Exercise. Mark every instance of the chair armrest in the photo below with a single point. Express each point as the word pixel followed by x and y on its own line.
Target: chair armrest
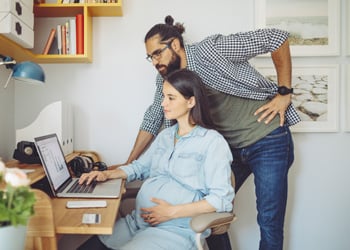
pixel 202 222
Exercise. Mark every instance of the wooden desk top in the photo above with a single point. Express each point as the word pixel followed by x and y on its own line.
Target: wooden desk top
pixel 34 176
pixel 69 221
pixel 39 172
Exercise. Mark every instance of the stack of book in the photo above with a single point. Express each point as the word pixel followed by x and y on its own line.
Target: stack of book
pixel 67 38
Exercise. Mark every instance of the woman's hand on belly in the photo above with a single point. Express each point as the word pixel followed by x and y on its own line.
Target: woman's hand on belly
pixel 162 212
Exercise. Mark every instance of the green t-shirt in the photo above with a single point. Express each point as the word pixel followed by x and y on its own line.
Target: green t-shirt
pixel 234 118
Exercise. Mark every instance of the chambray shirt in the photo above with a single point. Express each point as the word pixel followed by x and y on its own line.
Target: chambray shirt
pixel 197 167
pixel 222 63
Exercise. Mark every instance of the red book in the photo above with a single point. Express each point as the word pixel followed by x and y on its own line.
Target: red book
pixel 80 33
pixel 49 41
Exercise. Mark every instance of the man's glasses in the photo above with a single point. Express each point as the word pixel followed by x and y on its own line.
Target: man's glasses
pixel 158 53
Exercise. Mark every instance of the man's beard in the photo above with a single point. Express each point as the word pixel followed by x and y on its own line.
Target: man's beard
pixel 172 66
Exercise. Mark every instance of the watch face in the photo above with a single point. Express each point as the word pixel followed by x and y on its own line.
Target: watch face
pixel 284 90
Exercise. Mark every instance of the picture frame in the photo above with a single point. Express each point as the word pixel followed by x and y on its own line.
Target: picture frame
pixel 348 27
pixel 347 98
pixel 316 95
pixel 313 26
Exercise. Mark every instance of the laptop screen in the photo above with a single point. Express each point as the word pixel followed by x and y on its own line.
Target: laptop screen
pixel 53 159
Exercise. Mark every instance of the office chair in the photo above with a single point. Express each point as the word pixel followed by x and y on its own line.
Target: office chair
pixel 219 223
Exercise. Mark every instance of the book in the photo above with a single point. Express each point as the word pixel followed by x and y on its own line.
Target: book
pixel 49 42
pixel 79 19
pixel 59 39
pixel 72 36
pixel 67 37
pixel 63 37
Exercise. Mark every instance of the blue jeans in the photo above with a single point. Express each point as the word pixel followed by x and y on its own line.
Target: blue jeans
pixel 269 159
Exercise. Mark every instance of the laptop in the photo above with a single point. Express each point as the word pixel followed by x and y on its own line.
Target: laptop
pixel 59 177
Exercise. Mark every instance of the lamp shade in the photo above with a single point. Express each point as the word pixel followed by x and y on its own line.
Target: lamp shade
pixel 28 72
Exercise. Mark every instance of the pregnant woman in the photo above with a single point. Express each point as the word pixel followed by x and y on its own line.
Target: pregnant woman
pixel 187 171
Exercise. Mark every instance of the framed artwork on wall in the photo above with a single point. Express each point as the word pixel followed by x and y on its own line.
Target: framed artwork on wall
pixel 348 27
pixel 347 99
pixel 315 96
pixel 314 26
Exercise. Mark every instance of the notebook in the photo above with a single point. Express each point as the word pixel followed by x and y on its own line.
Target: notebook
pixel 59 177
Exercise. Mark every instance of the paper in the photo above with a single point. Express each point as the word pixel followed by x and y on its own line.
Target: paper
pixel 91 218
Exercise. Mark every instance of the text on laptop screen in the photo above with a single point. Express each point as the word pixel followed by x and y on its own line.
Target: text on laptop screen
pixel 54 161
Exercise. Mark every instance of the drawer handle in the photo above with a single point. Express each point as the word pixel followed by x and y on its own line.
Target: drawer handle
pixel 18 8
pixel 18 28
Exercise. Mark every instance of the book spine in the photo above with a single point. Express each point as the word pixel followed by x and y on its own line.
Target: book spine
pixel 59 39
pixel 67 38
pixel 80 33
pixel 49 41
pixel 72 33
pixel 63 37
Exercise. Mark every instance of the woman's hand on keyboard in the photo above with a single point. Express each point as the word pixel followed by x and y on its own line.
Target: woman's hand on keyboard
pixel 87 178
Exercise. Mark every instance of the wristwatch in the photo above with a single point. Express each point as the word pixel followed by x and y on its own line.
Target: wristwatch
pixel 283 90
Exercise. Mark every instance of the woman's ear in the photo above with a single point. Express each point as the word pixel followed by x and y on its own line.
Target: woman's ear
pixel 191 102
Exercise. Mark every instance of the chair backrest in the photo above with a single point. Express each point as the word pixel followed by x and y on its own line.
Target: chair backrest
pixel 41 233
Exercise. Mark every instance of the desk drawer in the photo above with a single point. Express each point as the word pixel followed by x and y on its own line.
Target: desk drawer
pixel 16 30
pixel 18 9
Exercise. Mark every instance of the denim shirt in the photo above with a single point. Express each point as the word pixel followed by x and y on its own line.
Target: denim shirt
pixel 200 162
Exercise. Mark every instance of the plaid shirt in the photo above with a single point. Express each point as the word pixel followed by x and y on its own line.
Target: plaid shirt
pixel 222 63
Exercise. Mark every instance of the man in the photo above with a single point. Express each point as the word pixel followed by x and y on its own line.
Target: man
pixel 252 113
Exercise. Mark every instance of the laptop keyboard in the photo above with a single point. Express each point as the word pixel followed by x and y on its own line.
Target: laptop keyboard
pixel 77 188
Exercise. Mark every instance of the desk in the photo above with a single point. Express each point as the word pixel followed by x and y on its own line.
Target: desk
pixel 34 176
pixel 68 221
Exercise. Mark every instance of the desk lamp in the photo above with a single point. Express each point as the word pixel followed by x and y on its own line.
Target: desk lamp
pixel 27 72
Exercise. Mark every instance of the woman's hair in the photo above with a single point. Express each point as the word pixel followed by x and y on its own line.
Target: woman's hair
pixel 189 84
pixel 167 30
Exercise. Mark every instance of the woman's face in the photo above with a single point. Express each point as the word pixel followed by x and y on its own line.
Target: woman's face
pixel 175 106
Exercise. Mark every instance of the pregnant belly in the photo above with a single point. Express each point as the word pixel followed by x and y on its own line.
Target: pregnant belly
pixel 164 188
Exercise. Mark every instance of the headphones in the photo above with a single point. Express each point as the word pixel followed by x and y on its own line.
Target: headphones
pixel 85 164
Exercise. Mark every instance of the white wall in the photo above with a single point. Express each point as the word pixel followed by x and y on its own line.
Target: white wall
pixel 7 124
pixel 110 95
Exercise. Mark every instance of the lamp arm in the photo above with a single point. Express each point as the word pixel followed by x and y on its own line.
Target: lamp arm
pixel 8 80
pixel 13 62
pixel 9 62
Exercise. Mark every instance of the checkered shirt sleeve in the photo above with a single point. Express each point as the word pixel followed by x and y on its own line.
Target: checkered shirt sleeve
pixel 153 118
pixel 223 64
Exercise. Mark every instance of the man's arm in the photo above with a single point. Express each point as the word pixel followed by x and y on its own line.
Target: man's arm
pixel 152 122
pixel 283 65
pixel 279 104
pixel 143 139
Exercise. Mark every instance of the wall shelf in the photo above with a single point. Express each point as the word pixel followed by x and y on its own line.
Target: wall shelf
pixel 49 10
